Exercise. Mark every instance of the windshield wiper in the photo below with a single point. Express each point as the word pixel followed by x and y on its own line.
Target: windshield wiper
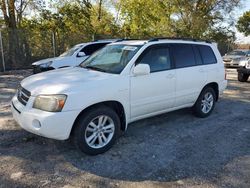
pixel 94 68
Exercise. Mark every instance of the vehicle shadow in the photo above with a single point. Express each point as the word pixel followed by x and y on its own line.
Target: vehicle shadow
pixel 172 146
pixel 165 148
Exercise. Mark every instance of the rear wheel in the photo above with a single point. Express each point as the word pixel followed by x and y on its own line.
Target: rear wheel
pixel 205 103
pixel 242 77
pixel 96 130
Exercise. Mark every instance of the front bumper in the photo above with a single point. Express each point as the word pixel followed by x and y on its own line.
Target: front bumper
pixel 243 70
pixel 38 69
pixel 231 64
pixel 55 125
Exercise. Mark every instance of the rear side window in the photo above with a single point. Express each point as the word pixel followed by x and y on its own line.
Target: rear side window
pixel 91 48
pixel 183 55
pixel 157 58
pixel 207 54
pixel 197 55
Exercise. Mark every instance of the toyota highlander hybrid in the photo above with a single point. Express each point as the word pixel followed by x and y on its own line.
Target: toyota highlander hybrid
pixel 123 82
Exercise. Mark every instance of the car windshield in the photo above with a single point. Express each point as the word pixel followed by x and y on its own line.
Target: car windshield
pixel 112 58
pixel 237 53
pixel 71 51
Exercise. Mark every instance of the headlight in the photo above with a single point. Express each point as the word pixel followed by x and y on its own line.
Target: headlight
pixel 46 65
pixel 243 63
pixel 50 103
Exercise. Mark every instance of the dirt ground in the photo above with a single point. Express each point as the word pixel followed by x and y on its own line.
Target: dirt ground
pixel 171 150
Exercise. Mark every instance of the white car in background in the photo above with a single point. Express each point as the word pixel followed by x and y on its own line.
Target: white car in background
pixel 72 57
pixel 233 59
pixel 123 82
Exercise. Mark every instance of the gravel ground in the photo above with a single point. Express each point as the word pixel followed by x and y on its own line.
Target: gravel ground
pixel 171 150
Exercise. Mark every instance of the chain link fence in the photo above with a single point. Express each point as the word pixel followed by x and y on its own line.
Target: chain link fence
pixel 20 48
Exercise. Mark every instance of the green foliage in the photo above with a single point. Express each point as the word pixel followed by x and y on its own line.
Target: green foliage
pixel 243 24
pixel 71 22
pixel 224 38
pixel 143 18
pixel 146 18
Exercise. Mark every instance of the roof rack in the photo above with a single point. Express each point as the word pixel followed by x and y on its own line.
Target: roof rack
pixel 178 38
pixel 126 39
pixel 100 40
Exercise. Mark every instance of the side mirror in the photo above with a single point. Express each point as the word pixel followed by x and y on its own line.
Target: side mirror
pixel 141 69
pixel 81 54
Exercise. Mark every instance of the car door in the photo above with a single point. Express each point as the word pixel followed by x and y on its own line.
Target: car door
pixel 154 92
pixel 190 73
pixel 90 49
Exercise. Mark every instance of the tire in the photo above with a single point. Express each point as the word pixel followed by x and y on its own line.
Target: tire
pixel 199 109
pixel 93 126
pixel 242 77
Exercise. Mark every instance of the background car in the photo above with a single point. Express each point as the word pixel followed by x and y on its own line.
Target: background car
pixel 232 59
pixel 72 57
pixel 244 70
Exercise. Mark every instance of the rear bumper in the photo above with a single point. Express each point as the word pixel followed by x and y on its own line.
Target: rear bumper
pixel 243 70
pixel 222 86
pixel 55 125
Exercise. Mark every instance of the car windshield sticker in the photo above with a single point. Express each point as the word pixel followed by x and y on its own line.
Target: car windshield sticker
pixel 131 48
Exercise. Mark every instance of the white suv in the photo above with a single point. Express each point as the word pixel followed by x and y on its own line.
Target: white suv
pixel 72 57
pixel 123 82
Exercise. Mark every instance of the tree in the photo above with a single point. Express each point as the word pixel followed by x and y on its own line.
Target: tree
pixel 145 18
pixel 70 24
pixel 243 24
pixel 194 18
pixel 12 11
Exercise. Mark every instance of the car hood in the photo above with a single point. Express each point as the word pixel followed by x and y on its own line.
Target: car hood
pixel 62 81
pixel 43 61
pixel 50 59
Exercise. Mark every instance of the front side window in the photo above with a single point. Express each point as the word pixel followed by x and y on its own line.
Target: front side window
pixel 91 48
pixel 183 55
pixel 157 58
pixel 112 58
pixel 207 54
pixel 71 51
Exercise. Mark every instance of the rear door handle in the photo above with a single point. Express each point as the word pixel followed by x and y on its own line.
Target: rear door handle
pixel 201 70
pixel 170 76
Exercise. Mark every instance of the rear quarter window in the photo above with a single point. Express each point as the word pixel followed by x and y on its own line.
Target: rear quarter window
pixel 207 54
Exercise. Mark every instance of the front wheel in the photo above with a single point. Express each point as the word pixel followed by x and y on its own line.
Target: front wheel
pixel 96 130
pixel 242 77
pixel 205 103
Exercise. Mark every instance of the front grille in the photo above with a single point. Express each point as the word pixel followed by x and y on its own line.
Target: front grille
pixel 23 95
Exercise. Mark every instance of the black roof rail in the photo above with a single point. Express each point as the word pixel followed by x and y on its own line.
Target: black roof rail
pixel 127 39
pixel 100 40
pixel 178 38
